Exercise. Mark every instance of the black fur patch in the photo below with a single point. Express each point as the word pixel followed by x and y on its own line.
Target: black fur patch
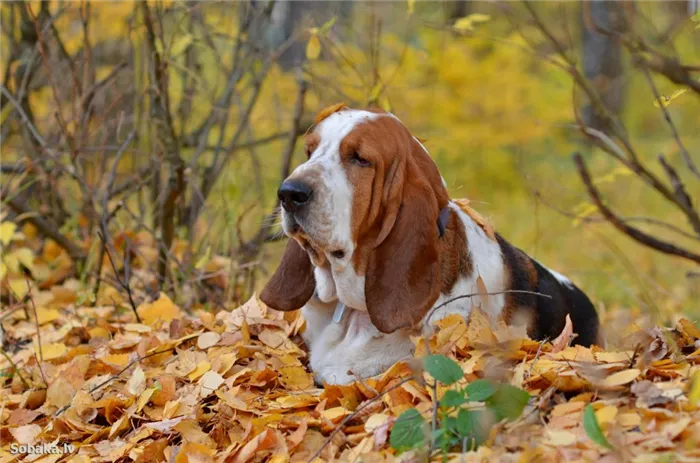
pixel 565 299
pixel 547 314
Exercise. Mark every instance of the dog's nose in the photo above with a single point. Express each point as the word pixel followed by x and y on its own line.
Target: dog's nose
pixel 293 194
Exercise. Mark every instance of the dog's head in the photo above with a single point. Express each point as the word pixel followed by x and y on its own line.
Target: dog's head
pixel 361 213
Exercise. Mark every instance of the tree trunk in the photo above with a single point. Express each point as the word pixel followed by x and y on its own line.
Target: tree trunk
pixel 457 9
pixel 602 60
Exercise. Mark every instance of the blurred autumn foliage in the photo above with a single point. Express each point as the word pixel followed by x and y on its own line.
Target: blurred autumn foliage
pixel 143 142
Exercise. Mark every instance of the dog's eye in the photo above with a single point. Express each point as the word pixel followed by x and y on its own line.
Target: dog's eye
pixel 362 162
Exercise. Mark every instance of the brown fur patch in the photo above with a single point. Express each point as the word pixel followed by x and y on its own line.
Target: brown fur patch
pixel 521 275
pixel 454 254
pixel 327 111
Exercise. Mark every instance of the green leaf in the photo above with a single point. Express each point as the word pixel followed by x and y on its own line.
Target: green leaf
pixel 507 402
pixel 452 399
pixel 480 390
pixel 473 425
pixel 408 431
pixel 441 368
pixel 592 428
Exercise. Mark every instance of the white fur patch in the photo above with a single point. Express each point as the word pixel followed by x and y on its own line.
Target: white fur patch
pixel 325 286
pixel 343 352
pixel 487 261
pixel 560 278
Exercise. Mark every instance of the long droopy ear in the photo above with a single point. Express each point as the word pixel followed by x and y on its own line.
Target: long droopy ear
pixel 402 280
pixel 293 284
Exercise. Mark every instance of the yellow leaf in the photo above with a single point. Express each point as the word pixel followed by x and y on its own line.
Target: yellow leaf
pixel 100 332
pixel 606 414
pixel 12 261
pixel 613 357
pixel 384 103
pixel 467 23
pixel 18 286
pixel 137 382
pixel 202 367
pixel 120 360
pixel 411 6
pixel 202 262
pixel 46 315
pixel 192 432
pixel 296 378
pixel 52 351
pixel 666 100
pixel 313 48
pixel 629 420
pixel 193 451
pixel 26 257
pixel 327 25
pixel 620 378
pixel 561 438
pixel 162 309
pixel 694 395
pixel 144 398
pixel 180 45
pixel 335 414
pixel 297 401
pixel 376 90
pixel 7 231
pixel 3 270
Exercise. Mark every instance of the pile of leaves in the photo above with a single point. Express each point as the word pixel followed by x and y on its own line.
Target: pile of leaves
pixel 99 381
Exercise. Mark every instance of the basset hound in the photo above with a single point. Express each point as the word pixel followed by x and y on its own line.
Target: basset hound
pixel 377 248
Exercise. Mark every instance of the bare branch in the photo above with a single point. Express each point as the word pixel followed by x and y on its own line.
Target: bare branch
pixel 46 229
pixel 628 230
pixel 681 195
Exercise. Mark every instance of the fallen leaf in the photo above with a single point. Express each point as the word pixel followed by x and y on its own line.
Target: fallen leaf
pixel 562 341
pixel 137 382
pixel 561 438
pixel 161 310
pixel 208 339
pixel 620 378
pixel 26 434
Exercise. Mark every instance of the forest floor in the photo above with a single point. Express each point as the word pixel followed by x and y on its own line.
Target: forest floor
pixel 234 385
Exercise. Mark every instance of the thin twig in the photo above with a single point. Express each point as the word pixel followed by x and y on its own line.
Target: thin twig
pixel 36 317
pixel 463 296
pixel 657 97
pixel 354 414
pixel 112 378
pixel 27 121
pixel 124 283
pixel 14 365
